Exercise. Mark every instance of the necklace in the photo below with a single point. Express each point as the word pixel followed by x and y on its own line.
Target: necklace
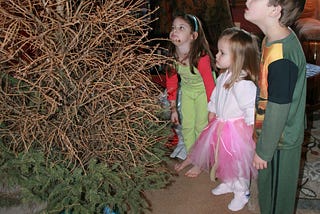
pixel 183 60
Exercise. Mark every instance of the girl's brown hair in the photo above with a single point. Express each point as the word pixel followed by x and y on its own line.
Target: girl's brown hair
pixel 199 46
pixel 245 55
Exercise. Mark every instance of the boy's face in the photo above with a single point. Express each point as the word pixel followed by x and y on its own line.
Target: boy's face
pixel 257 11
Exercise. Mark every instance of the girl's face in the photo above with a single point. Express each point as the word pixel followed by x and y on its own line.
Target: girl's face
pixel 224 56
pixel 181 32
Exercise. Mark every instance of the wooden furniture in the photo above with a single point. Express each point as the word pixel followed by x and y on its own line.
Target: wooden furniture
pixel 307 28
pixel 312 50
pixel 313 93
pixel 308 24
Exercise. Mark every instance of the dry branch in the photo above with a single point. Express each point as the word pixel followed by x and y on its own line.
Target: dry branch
pixel 75 81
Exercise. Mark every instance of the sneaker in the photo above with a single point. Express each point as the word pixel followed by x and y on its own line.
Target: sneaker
pixel 239 201
pixel 222 188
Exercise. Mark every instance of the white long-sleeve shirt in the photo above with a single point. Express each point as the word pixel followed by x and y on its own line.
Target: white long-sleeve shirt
pixel 236 102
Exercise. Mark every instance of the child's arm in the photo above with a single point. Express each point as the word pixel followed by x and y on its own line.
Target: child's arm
pixel 204 67
pixel 212 106
pixel 274 122
pixel 211 116
pixel 245 94
pixel 275 119
pixel 172 86
pixel 174 112
pixel 281 87
pixel 258 163
pixel 172 90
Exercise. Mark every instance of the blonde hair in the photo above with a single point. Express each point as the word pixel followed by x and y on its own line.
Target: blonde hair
pixel 245 55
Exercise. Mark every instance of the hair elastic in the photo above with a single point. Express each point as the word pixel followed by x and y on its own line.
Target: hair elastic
pixel 196 28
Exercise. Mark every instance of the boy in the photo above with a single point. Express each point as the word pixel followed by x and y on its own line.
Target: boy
pixel 281 104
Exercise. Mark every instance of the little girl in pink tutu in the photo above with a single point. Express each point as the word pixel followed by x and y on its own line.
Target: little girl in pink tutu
pixel 226 146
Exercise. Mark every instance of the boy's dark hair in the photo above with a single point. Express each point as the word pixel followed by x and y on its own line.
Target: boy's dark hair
pixel 291 10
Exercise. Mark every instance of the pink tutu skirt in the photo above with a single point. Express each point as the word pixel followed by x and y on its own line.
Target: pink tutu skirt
pixel 227 148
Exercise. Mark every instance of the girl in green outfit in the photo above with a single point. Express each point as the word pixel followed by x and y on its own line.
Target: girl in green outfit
pixel 193 65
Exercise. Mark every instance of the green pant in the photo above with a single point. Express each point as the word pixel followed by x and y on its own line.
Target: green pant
pixel 277 185
pixel 194 111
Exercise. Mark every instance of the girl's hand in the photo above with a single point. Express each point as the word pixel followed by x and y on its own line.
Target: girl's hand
pixel 211 116
pixel 174 112
pixel 174 117
pixel 258 163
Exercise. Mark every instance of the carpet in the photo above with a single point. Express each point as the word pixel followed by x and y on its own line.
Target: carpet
pixel 309 189
pixel 192 195
pixel 189 196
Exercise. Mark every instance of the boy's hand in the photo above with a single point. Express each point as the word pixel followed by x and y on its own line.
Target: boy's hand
pixel 258 163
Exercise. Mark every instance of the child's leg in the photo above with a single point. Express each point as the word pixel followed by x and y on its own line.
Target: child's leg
pixel 193 172
pixel 194 111
pixel 253 204
pixel 180 166
pixel 241 194
pixel 222 188
pixel 278 183
pixel 180 151
pixel 187 121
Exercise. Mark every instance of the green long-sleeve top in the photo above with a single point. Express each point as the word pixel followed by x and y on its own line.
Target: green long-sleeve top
pixel 282 95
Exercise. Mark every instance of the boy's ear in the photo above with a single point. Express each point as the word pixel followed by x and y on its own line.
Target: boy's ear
pixel 276 11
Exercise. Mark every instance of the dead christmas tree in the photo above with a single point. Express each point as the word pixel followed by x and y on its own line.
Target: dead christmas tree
pixel 78 110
